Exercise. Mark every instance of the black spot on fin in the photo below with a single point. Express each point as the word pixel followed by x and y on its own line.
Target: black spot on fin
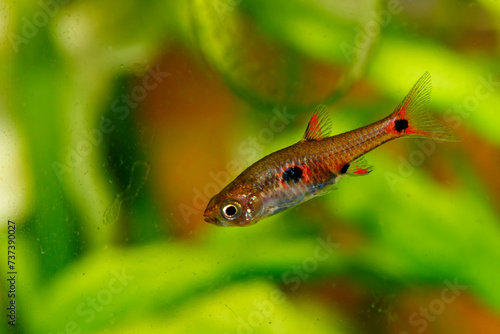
pixel 344 168
pixel 400 125
pixel 413 109
pixel 357 167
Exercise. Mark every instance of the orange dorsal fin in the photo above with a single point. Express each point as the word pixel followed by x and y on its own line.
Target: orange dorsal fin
pixel 319 125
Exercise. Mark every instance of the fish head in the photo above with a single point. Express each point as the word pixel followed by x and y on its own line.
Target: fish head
pixel 234 208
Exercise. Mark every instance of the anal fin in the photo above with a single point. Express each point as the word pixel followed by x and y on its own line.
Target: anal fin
pixel 357 167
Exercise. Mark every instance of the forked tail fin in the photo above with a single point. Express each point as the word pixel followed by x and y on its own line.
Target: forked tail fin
pixel 412 119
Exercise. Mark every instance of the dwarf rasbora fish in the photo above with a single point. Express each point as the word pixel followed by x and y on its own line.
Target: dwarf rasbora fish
pixel 312 166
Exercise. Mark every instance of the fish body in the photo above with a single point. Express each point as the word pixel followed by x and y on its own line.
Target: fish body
pixel 316 163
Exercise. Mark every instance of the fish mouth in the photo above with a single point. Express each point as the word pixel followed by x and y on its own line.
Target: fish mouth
pixel 215 221
pixel 210 220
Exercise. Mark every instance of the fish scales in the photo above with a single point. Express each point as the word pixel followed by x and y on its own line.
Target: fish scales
pixel 312 166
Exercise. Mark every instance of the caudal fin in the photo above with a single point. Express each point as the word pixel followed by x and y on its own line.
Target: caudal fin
pixel 412 119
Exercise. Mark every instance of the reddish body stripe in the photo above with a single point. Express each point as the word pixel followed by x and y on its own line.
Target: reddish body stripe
pixel 315 162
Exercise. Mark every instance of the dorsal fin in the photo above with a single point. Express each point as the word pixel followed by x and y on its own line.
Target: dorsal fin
pixel 319 124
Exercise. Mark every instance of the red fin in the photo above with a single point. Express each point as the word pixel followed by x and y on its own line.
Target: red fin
pixel 358 167
pixel 412 119
pixel 319 125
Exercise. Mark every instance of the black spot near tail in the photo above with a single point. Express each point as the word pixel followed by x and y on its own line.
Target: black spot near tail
pixel 292 174
pixel 400 125
pixel 344 168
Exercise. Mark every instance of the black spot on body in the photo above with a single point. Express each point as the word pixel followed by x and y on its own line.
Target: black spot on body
pixel 292 174
pixel 344 168
pixel 400 125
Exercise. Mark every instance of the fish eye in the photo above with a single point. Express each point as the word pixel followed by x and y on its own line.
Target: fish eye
pixel 231 210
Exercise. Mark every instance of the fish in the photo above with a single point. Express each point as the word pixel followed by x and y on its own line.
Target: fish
pixel 314 165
